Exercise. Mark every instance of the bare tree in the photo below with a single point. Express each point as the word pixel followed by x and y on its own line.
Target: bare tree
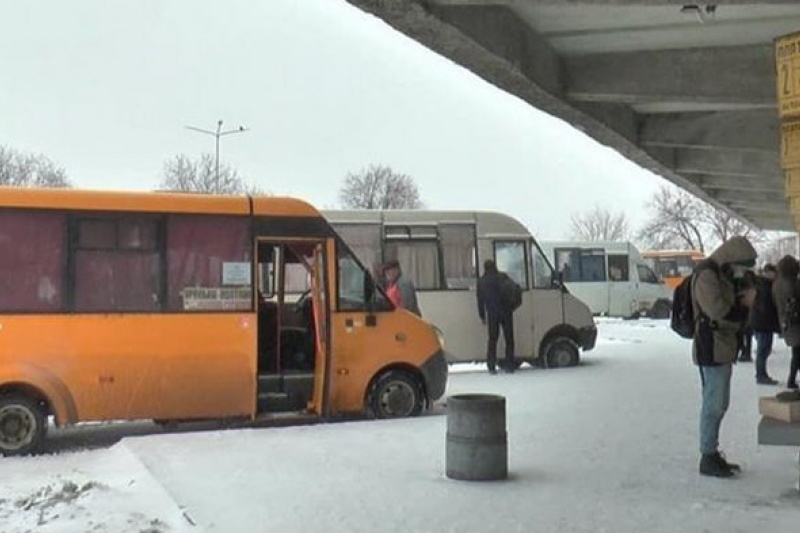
pixel 184 174
pixel 379 187
pixel 676 221
pixel 600 224
pixel 682 221
pixel 722 226
pixel 18 169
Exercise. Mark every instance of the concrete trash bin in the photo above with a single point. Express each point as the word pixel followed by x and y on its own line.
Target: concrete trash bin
pixel 477 448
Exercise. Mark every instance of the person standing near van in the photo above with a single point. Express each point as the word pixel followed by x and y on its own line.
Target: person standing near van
pixel 400 289
pixel 764 321
pixel 786 292
pixel 493 312
pixel 719 314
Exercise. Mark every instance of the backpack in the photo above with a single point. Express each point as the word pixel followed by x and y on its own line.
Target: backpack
pixel 510 293
pixel 764 314
pixel 682 320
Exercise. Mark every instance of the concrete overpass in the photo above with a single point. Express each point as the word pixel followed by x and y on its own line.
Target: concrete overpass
pixel 685 90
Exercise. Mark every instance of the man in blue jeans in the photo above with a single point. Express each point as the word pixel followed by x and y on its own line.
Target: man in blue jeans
pixel 720 310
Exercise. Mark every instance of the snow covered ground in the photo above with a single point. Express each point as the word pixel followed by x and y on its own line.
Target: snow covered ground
pixel 609 446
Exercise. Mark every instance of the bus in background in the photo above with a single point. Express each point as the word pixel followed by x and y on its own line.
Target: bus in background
pixel 173 307
pixel 611 277
pixel 443 253
pixel 673 265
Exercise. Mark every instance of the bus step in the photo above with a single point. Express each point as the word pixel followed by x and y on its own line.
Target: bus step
pixel 291 382
pixel 278 402
pixel 270 383
pixel 301 384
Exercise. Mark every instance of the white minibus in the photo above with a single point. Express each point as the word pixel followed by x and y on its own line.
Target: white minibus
pixel 611 277
pixel 443 252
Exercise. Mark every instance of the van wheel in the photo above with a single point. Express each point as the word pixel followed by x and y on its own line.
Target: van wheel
pixel 661 310
pixel 561 352
pixel 22 425
pixel 396 394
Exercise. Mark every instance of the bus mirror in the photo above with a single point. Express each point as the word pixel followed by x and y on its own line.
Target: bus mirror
pixel 558 281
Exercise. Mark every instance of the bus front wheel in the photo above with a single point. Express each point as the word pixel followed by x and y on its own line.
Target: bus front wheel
pixel 561 352
pixel 22 425
pixel 396 394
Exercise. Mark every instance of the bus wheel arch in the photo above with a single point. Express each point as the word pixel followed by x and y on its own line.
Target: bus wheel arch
pixel 397 391
pixel 661 309
pixel 560 348
pixel 23 419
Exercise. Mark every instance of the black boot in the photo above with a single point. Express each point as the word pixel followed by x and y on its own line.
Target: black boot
pixel 713 464
pixel 735 468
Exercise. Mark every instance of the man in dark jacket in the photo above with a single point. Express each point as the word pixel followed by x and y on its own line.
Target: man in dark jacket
pixel 492 308
pixel 786 291
pixel 764 322
pixel 720 312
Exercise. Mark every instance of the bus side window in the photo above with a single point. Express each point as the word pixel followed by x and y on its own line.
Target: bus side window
pixel 568 263
pixel 117 264
pixel 356 289
pixel 618 268
pixel 32 257
pixel 458 255
pixel 201 251
pixel 419 261
pixel 593 266
pixel 511 258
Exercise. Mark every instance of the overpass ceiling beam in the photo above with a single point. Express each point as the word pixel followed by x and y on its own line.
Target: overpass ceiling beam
pixel 722 75
pixel 779 223
pixel 769 220
pixel 726 162
pixel 740 184
pixel 755 130
pixel 776 200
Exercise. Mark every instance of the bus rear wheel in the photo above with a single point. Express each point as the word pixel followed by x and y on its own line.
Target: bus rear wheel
pixel 661 310
pixel 396 394
pixel 561 352
pixel 22 425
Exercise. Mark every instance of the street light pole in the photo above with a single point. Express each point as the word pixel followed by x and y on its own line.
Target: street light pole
pixel 217 134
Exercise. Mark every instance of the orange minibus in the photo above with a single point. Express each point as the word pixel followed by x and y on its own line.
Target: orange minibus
pixel 175 307
pixel 673 265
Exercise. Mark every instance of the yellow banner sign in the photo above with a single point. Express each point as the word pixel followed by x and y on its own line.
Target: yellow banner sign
pixel 787 61
pixel 790 144
pixel 792 176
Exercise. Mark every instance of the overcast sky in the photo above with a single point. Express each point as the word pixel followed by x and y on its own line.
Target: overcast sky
pixel 106 89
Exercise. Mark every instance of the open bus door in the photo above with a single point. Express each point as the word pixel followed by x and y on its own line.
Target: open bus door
pixel 292 326
pixel 319 401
